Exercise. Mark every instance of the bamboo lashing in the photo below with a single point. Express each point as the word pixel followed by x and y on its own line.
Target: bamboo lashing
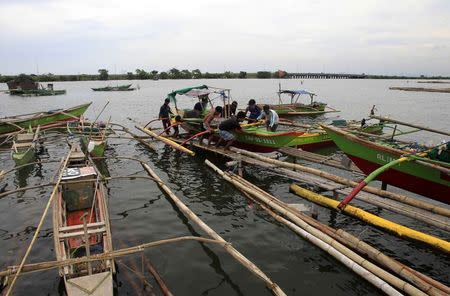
pixel 395 228
pixel 276 290
pixel 38 229
pixel 369 271
pixel 166 141
pixel 395 196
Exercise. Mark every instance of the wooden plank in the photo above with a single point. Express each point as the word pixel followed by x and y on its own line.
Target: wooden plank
pixel 75 227
pixel 98 284
pixel 317 158
pixel 80 233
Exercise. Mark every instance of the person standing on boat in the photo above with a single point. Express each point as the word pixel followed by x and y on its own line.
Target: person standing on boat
pixel 271 118
pixel 201 105
pixel 226 128
pixel 213 114
pixel 254 110
pixel 164 115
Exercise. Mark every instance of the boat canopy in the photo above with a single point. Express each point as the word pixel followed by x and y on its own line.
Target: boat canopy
pixel 185 91
pixel 296 92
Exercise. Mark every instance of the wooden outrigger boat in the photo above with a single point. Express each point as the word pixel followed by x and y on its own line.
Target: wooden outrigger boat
pixel 81 228
pixel 126 87
pixel 294 108
pixel 427 176
pixel 45 119
pixel 24 145
pixel 93 137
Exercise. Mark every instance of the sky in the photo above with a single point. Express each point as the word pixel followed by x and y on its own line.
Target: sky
pixel 392 37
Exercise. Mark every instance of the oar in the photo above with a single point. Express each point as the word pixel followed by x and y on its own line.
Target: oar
pixel 375 173
pixel 153 120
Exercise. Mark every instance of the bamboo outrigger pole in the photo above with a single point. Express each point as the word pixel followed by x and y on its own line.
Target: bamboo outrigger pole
pixel 423 282
pixel 276 290
pixel 395 228
pixel 372 273
pixel 41 222
pixel 166 140
pixel 395 196
pixel 411 125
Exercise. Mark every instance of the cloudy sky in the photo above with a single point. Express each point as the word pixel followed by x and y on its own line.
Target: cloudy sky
pixel 346 36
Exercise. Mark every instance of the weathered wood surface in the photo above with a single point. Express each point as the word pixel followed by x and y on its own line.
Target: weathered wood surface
pixel 322 159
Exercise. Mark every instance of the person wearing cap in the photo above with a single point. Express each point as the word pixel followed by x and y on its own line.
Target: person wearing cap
pixel 226 128
pixel 214 113
pixel 164 115
pixel 271 118
pixel 254 110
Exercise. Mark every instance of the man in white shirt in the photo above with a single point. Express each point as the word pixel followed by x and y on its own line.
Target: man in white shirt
pixel 271 118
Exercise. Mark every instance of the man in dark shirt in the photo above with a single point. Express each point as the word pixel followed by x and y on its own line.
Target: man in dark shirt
pixel 227 127
pixel 254 110
pixel 164 115
pixel 229 109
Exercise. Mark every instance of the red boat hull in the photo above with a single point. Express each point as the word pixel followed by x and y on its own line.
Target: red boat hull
pixel 408 182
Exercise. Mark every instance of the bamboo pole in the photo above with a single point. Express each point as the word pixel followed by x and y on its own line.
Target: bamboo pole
pixel 411 125
pixel 166 141
pixel 276 290
pixel 395 228
pixel 161 283
pixel 359 265
pixel 422 281
pixel 41 222
pixel 395 196
pixel 12 270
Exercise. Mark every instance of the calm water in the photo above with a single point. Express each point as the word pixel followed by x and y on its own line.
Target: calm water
pixel 141 213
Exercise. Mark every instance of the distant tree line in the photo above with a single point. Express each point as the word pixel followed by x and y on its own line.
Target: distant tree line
pixel 174 73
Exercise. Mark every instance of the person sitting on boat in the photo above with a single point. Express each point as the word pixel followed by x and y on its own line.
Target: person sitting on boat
pixel 200 106
pixel 271 118
pixel 226 128
pixel 230 109
pixel 164 115
pixel 213 114
pixel 254 110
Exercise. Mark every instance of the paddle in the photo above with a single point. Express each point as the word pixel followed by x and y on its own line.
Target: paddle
pixel 375 173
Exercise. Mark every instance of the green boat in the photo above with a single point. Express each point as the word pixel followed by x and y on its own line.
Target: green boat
pixel 24 145
pixel 427 177
pixel 294 108
pixel 45 119
pixel 93 138
pixel 126 87
pixel 36 92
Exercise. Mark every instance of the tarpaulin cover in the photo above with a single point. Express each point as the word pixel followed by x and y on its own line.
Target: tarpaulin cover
pixel 183 91
pixel 296 92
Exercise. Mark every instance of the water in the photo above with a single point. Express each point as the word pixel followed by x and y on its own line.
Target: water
pixel 140 213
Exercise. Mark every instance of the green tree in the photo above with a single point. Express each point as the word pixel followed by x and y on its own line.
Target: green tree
pixel 154 74
pixel 163 75
pixel 103 74
pixel 196 74
pixel 174 73
pixel 130 75
pixel 263 74
pixel 186 74
pixel 141 74
pixel 242 75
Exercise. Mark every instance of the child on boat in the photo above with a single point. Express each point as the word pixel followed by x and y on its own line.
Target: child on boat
pixel 214 113
pixel 254 110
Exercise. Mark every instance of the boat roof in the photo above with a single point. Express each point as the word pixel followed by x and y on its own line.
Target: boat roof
pixel 296 92
pixel 195 91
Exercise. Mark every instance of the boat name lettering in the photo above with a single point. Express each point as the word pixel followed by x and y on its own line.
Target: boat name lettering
pixel 259 140
pixel 385 158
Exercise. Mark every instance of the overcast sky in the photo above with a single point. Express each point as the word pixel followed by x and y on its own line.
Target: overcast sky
pixel 346 36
